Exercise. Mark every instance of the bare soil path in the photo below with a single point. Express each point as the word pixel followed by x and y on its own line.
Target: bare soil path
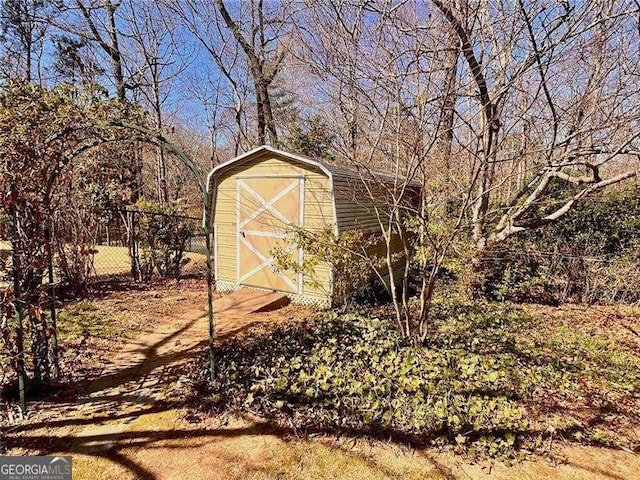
pixel 137 387
pixel 129 422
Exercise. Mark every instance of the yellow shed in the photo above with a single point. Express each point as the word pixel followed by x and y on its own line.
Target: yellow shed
pixel 257 197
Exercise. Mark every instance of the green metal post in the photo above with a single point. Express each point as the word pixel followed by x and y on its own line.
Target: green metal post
pixel 207 233
pixel 15 260
pixel 52 305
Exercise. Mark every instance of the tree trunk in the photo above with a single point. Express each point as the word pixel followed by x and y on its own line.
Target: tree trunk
pixel 268 114
pixel 162 191
pixel 260 101
pixel 445 140
pixel 114 52
pixel 254 47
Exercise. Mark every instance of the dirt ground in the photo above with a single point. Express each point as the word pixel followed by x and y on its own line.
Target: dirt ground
pixel 128 421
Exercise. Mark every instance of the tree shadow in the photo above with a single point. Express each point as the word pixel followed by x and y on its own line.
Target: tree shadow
pixel 589 411
pixel 110 445
pixel 104 406
pixel 113 446
pixel 599 472
pixel 151 359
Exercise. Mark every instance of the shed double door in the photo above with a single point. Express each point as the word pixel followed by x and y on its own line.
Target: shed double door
pixel 268 208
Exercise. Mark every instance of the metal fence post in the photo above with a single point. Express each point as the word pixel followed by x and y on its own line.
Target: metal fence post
pixel 210 312
pixel 15 260
pixel 52 304
pixel 206 196
pixel 131 216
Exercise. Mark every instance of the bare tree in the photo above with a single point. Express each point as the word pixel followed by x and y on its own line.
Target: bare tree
pixel 259 42
pixel 392 82
pixel 98 24
pixel 253 30
pixel 558 79
pixel 231 104
pixel 223 108
pixel 23 29
pixel 157 60
pixel 537 116
pixel 74 61
pixel 449 98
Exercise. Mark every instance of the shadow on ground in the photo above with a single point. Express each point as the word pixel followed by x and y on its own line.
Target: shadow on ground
pixel 134 385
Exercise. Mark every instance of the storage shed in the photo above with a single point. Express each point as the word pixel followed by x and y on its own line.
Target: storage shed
pixel 256 199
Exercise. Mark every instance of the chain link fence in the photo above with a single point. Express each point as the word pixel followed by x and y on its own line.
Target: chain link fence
pixel 143 244
pixel 124 243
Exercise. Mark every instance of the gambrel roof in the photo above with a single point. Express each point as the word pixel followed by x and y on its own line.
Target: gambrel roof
pixel 327 168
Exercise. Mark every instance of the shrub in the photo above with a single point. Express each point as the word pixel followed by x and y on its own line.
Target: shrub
pixel 74 239
pixel 590 255
pixel 482 382
pixel 352 256
pixel 162 239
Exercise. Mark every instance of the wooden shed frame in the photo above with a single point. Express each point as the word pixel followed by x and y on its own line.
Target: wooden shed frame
pixel 239 176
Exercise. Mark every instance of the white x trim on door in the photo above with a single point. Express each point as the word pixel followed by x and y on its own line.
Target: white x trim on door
pixel 265 207
pixel 266 262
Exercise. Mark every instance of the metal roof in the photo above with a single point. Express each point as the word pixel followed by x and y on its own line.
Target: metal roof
pixel 326 168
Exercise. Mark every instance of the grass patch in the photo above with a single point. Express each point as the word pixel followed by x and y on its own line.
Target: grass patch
pixel 86 319
pixel 314 461
pixel 112 260
pixel 491 379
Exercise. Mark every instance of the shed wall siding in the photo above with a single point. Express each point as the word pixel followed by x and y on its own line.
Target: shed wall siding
pixel 356 210
pixel 318 213
pixel 353 206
